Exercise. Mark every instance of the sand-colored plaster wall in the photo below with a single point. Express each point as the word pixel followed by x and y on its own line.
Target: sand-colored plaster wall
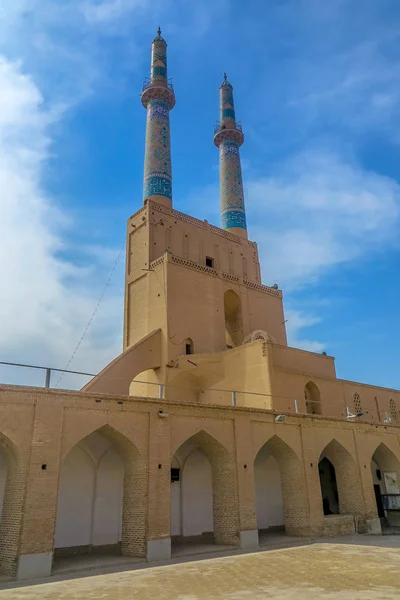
pixel 54 422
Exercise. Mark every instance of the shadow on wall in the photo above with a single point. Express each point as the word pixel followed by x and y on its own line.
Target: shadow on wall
pixel 102 498
pixel 11 505
pixel 233 319
pixel 313 399
pixel 204 501
pixel 385 469
pixel 280 488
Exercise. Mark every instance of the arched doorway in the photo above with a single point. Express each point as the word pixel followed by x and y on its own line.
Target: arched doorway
pixel 341 491
pixel 203 495
pixel 329 491
pixel 192 497
pixel 313 399
pixel 101 498
pixel 233 319
pixel 11 502
pixel 280 491
pixel 385 469
pixel 189 346
pixel 268 488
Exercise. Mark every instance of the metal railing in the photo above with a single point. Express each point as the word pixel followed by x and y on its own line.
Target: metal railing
pixel 47 370
pixel 216 396
pixel 391 502
pixel 154 82
pixel 218 127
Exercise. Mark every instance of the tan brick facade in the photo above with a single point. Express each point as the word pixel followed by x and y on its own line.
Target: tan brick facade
pixel 39 427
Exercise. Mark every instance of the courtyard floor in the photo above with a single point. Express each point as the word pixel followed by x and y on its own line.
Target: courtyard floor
pixel 362 567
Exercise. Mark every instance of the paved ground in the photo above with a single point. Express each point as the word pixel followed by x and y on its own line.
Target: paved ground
pixel 322 571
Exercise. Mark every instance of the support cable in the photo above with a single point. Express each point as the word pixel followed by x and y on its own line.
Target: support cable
pixel 93 314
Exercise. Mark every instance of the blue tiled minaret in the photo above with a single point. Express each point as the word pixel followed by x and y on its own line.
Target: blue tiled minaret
pixel 228 137
pixel 158 98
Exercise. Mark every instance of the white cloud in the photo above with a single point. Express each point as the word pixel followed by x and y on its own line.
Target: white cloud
pixel 45 302
pixel 296 322
pixel 320 212
pixel 353 82
pixel 51 55
pixel 111 10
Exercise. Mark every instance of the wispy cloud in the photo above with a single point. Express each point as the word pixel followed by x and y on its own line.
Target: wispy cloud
pixel 111 10
pixel 320 209
pixel 44 305
pixel 297 322
pixel 51 58
pixel 319 212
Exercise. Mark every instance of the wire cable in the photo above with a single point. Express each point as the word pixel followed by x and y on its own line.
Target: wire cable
pixel 93 314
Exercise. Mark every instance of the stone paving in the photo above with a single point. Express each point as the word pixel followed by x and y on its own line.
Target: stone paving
pixel 321 571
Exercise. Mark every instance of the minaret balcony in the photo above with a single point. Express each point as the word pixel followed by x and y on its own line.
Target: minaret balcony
pixel 228 132
pixel 156 82
pixel 158 89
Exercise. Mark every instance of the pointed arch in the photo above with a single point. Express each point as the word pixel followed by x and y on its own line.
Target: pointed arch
pixel 385 467
pixel 12 483
pixel 293 484
pixel 350 496
pixel 121 479
pixel 77 432
pixel 224 487
pixel 312 397
pixel 386 457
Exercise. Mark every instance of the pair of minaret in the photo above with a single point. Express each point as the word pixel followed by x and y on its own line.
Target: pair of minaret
pixel 158 98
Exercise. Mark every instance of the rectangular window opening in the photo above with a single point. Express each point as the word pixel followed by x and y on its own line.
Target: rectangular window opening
pixel 175 474
pixel 209 262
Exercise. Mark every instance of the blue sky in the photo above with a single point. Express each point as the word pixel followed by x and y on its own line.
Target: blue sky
pixel 316 88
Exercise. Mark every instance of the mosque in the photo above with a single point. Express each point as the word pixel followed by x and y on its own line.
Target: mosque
pixel 208 430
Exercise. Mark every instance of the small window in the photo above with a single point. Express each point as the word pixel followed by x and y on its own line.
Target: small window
pixel 357 403
pixel 175 474
pixel 209 262
pixel 393 409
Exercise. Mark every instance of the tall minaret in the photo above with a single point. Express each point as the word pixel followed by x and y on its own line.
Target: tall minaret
pixel 158 98
pixel 228 137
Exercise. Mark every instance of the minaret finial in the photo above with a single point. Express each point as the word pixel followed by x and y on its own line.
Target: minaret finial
pixel 225 77
pixel 159 30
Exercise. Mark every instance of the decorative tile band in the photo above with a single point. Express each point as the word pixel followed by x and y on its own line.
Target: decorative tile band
pixel 234 218
pixel 159 72
pixel 158 186
pixel 229 148
pixel 158 109
pixel 228 113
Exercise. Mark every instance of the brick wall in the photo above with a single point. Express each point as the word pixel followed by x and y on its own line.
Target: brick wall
pixel 39 427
